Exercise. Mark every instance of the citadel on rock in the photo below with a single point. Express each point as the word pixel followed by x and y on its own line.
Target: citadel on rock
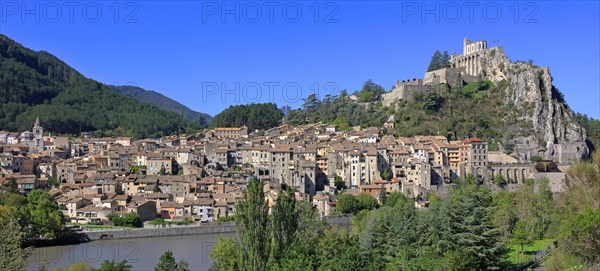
pixel 201 176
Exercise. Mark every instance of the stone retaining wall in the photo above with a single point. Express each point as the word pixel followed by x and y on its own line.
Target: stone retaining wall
pixel 343 221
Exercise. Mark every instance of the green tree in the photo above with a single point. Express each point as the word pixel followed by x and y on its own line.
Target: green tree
pixel 167 263
pixel 366 96
pixel 521 235
pixel 77 266
pixel 43 215
pixel 202 121
pixel 13 199
pixel 130 219
pixel 382 195
pixel 461 259
pixel 338 250
pixel 11 186
pixel 366 202
pixel 499 180
pixel 505 215
pixel 347 204
pixel 311 102
pixel 287 239
pixel 12 256
pixel 341 123
pixel 253 227
pixel 182 266
pixel 225 255
pixel 470 213
pixel 110 265
pixel 302 253
pixel 375 90
pixel 386 175
pixel 395 197
pixel 580 235
pixel 53 182
pixel 439 60
pixel 285 223
pixel 339 183
pixel 535 208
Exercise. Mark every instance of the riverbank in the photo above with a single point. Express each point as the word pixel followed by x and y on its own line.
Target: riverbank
pixel 79 237
pixel 174 230
pixel 159 231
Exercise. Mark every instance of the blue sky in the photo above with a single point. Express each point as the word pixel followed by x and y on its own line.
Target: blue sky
pixel 209 55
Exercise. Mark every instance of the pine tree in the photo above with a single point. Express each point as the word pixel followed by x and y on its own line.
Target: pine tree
pixel 435 61
pixel 182 266
pixel 439 60
pixel 166 262
pixel 473 232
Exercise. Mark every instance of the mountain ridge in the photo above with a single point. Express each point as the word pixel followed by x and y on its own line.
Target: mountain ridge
pixel 162 101
pixel 38 84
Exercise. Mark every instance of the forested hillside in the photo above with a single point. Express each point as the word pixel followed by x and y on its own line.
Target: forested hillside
pixel 254 116
pixel 36 84
pixel 476 109
pixel 162 102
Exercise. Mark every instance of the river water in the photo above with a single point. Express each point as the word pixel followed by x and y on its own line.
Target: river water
pixel 141 253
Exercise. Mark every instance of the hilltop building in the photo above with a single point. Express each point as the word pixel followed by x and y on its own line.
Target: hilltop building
pixel 35 139
pixel 463 68
pixel 471 59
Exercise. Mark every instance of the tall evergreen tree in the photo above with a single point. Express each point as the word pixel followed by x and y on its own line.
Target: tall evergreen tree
pixel 473 233
pixel 439 60
pixel 166 262
pixel 339 251
pixel 182 266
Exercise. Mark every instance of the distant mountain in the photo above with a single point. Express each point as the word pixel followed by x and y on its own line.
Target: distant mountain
pixel 36 84
pixel 162 101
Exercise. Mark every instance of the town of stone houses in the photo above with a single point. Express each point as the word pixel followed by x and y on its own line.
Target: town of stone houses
pixel 244 136
pixel 201 177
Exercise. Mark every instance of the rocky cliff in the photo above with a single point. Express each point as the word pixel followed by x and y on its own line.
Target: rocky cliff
pixel 556 134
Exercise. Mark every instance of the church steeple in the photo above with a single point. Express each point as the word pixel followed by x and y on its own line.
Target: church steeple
pixel 37 123
pixel 38 135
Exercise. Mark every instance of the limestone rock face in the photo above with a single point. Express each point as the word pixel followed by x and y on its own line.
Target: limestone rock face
pixel 557 135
